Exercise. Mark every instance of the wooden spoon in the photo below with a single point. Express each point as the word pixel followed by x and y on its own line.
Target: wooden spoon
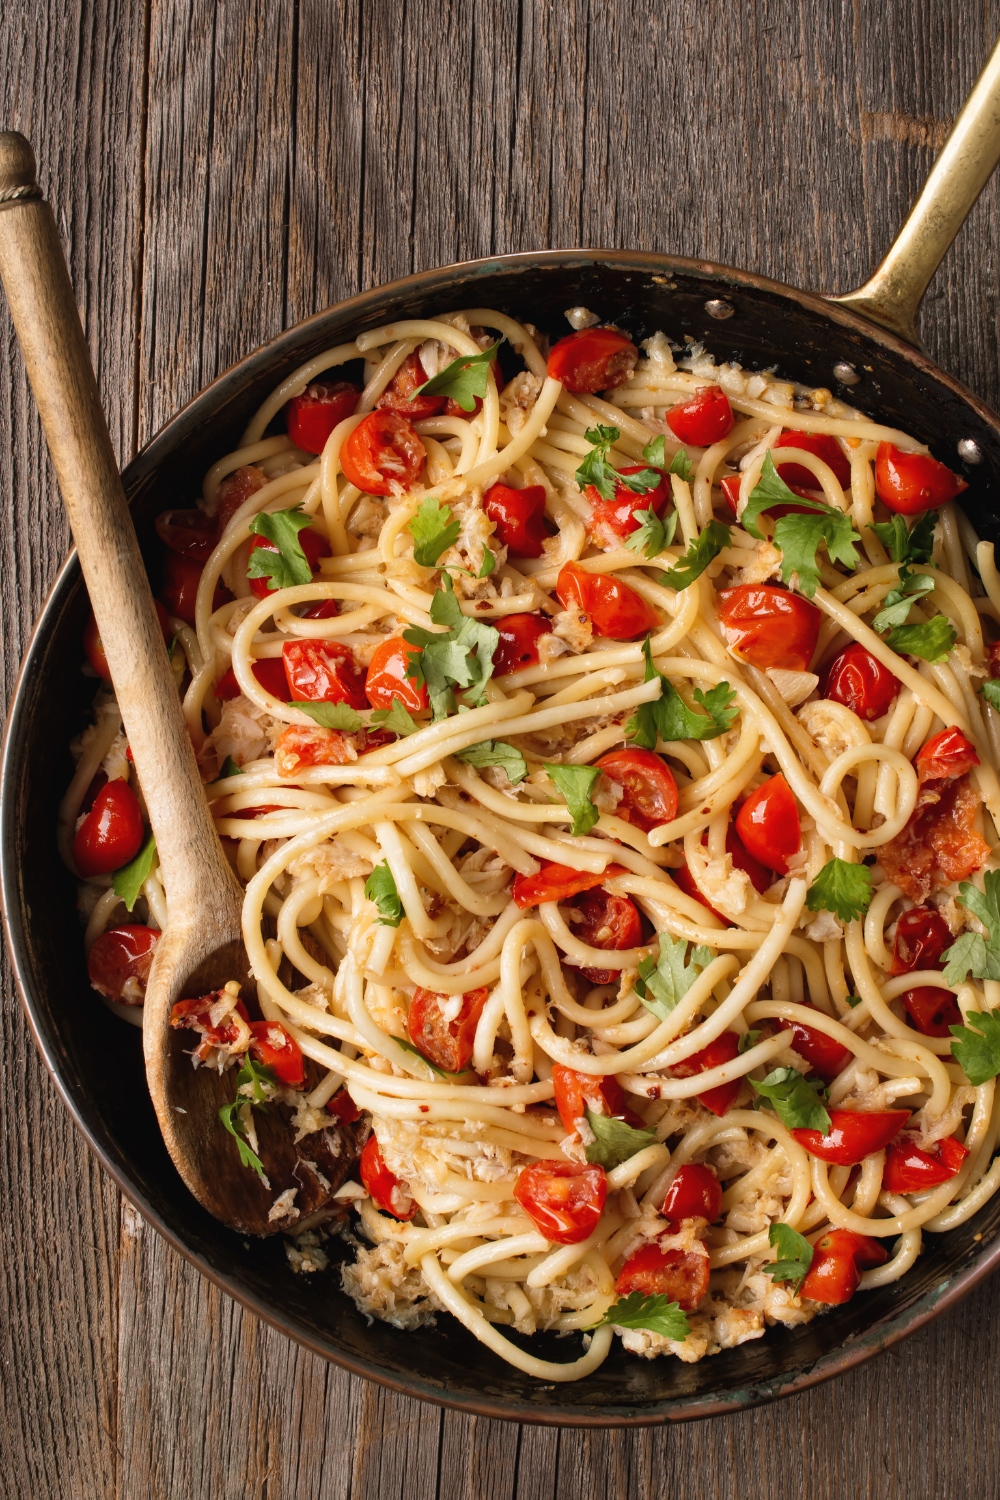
pixel 202 947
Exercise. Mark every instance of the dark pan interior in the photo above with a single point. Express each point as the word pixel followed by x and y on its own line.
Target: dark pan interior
pixel 97 1060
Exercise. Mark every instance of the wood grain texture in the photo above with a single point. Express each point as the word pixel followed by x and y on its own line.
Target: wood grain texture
pixel 219 169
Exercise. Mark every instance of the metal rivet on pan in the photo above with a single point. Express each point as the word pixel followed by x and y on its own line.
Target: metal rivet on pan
pixel 717 307
pixel 846 373
pixel 969 451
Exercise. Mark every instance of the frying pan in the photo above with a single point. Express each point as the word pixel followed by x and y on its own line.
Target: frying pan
pixel 863 347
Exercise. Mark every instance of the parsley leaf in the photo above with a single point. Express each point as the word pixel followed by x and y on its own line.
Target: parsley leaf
pixel 798 537
pixel 653 534
pixel 655 451
pixel 896 605
pixel 288 565
pixel 795 1101
pixel 129 880
pixel 747 1040
pixel 842 888
pixel 396 719
pixel 699 554
pixel 680 465
pixel 433 531
pixel 230 768
pixel 669 718
pixel 459 657
pixel 991 692
pixel 605 478
pixel 972 952
pixel 794 1254
pixel 381 888
pixel 496 753
pixel 932 641
pixel 655 1313
pixel 661 983
pixel 464 379
pixel 254 1085
pixel 488 563
pixel 576 784
pixel 615 1140
pixel 330 715
pixel 978 1051
pixel 903 546
pixel 770 490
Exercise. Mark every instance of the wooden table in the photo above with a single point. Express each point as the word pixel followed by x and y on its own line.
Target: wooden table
pixel 220 171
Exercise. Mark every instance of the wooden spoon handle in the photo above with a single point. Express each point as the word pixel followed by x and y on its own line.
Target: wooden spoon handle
pixel 47 322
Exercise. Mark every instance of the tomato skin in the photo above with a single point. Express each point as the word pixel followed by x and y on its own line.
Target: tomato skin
pixel 649 791
pixel 761 878
pixel 932 1010
pixel 386 681
pixel 722 1050
pixel 730 487
pixel 303 745
pixel 704 419
pixel 608 922
pixel 399 396
pixel 323 672
pixel 618 516
pixel 111 834
pixel 323 609
pixel 313 545
pixel 269 672
pixel 861 683
pixel 909 483
pixel 768 626
pixel 922 935
pixel 121 954
pixel 680 1275
pixel 518 644
pixel 825 447
pixel 179 591
pixel 564 1200
pixel 683 878
pixel 311 417
pixel 592 359
pixel 768 823
pixel 94 647
pixel 557 883
pixel 194 1015
pixel 384 1187
pixel 577 1092
pixel 838 1259
pixel 449 1044
pixel 910 1170
pixel 234 491
pixel 189 533
pixel 823 1053
pixel 947 755
pixel 519 517
pixel 616 611
pixel 343 1107
pixel 695 1193
pixel 382 451
pixel 853 1134
pixel 275 1047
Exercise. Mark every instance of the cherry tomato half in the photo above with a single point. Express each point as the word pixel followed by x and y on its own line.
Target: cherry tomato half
pixel 313 545
pixel 302 745
pixel 616 611
pixel 823 1053
pixel 564 1200
pixel 275 1048
pixel 948 754
pixel 909 483
pixel 768 626
pixel 649 791
pixel 344 1107
pixel 557 883
pixel 761 878
pixel 825 447
pixel 679 1275
pixel 323 672
pixel 383 451
pixel 234 491
pixel 606 921
pixel 190 533
pixel 94 646
pixel 838 1259
pixel 577 1092
pixel 399 395
pixel 387 683
pixel 683 878
pixel 768 823
pixel 932 1010
pixel 724 1048
pixel 922 935
pixel 695 1193
pixel 387 1192
pixel 519 517
pixel 118 964
pixel 910 1170
pixel 704 419
pixel 311 417
pixel 592 359
pixel 444 1039
pixel 269 672
pixel 618 516
pixel 861 683
pixel 195 1015
pixel 111 834
pixel 853 1134
pixel 518 644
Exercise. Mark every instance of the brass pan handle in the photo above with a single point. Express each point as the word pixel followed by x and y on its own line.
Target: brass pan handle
pixel 892 295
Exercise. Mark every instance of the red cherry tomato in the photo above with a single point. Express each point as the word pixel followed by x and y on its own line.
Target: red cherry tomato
pixel 94 646
pixel 195 1015
pixel 909 483
pixel 932 1010
pixel 518 644
pixel 694 1193
pixel 825 447
pixel 823 1053
pixel 769 627
pixel 618 516
pixel 564 1200
pixel 686 881
pixel 853 1134
pixel 557 883
pixel 313 545
pixel 615 610
pixel 649 791
pixel 768 823
pixel 387 683
pixel 383 451
pixel 118 964
pixel 311 417
pixel 190 533
pixel 269 672
pixel 593 359
pixel 725 1047
pixel 838 1259
pixel 445 1040
pixel 323 609
pixel 275 1048
pixel 323 672
pixel 179 591
pixel 519 517
pixel 730 487
pixel 947 755
pixel 607 922
pixel 761 878
pixel 922 935
pixel 399 394
pixel 679 1275
pixel 910 1170
pixel 111 834
pixel 234 491
pixel 704 419
pixel 387 1192
pixel 302 745
pixel 344 1107
pixel 577 1092
pixel 861 683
